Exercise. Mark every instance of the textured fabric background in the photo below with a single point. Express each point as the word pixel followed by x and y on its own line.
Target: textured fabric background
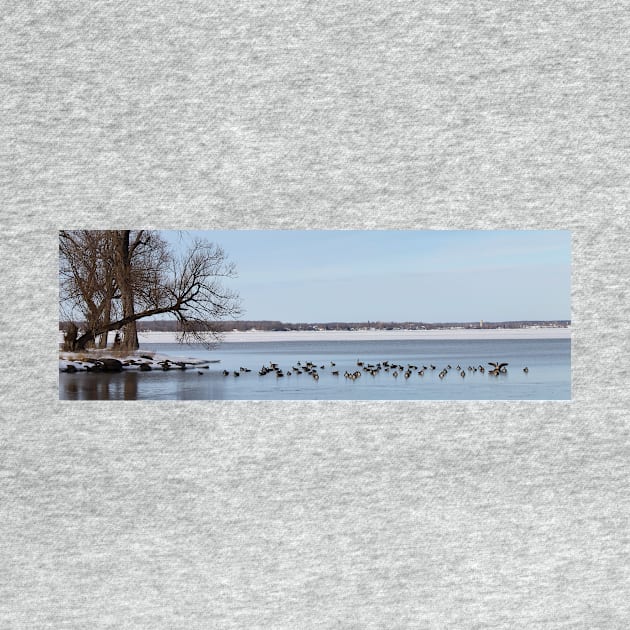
pixel 282 115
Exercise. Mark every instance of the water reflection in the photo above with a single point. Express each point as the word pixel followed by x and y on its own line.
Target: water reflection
pixel 173 385
pixel 102 386
pixel 131 386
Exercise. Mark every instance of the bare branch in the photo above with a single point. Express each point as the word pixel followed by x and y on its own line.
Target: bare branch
pixel 117 277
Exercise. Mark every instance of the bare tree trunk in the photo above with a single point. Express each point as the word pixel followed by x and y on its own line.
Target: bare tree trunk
pixel 70 337
pixel 102 340
pixel 106 318
pixel 125 285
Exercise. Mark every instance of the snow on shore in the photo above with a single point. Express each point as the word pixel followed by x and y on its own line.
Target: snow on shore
pixel 103 360
pixel 368 335
pixel 371 335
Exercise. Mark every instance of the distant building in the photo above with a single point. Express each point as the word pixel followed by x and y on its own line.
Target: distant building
pixel 481 323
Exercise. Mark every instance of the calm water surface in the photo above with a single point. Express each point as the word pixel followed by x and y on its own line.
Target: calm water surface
pixel 548 360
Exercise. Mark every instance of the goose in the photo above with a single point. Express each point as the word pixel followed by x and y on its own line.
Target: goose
pixel 499 367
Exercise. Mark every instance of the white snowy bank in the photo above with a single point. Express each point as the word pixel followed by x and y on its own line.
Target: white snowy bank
pixel 371 335
pixel 368 335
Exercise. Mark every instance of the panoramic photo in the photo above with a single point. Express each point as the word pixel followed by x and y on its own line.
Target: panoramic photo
pixel 314 315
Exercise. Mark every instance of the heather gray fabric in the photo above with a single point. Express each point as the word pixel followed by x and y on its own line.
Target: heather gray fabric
pixel 314 115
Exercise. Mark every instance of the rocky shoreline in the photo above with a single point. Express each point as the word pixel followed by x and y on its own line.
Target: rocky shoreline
pixel 72 362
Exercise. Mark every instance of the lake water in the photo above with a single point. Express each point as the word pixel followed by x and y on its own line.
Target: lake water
pixel 548 378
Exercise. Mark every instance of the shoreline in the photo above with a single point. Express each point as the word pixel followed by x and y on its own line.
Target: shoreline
pixel 367 335
pixel 108 360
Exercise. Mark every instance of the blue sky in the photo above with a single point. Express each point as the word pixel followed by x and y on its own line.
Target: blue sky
pixel 375 275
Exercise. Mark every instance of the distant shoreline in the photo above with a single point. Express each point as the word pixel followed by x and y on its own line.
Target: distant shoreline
pixel 371 335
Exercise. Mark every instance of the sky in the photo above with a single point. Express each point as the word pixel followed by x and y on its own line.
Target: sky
pixel 376 275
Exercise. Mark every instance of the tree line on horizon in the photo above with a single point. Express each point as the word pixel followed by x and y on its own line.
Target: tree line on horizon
pixel 163 325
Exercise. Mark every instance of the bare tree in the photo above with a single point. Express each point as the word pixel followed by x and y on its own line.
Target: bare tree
pixel 86 276
pixel 149 280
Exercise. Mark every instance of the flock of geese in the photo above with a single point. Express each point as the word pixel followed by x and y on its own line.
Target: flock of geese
pixel 313 370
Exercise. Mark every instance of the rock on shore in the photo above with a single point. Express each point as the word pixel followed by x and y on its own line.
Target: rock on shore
pixel 71 362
